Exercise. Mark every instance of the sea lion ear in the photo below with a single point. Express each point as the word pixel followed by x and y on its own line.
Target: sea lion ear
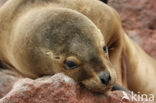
pixel 105 1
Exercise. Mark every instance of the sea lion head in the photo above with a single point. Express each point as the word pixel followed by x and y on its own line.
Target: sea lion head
pixel 51 40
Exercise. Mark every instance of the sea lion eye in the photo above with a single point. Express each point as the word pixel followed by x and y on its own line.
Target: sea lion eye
pixel 105 49
pixel 71 63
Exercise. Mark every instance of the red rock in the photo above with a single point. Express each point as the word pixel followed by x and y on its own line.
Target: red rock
pixel 7 79
pixel 139 16
pixel 57 89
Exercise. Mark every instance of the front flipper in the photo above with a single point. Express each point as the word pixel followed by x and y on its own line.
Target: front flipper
pixel 118 87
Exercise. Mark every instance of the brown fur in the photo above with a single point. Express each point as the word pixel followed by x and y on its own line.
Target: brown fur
pixel 36 36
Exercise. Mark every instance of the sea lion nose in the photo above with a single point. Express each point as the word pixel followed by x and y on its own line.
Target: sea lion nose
pixel 105 77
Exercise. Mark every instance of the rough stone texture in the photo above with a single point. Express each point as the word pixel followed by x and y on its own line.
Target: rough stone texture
pixel 139 21
pixel 7 79
pixel 57 89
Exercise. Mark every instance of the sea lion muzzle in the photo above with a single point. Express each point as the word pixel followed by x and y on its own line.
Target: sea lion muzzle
pixel 105 77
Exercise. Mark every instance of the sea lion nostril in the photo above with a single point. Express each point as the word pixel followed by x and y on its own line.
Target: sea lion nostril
pixel 105 77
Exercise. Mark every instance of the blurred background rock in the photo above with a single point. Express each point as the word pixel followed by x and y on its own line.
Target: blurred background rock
pixel 139 21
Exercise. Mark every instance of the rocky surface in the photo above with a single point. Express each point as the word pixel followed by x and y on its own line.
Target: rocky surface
pixel 7 79
pixel 58 89
pixel 139 21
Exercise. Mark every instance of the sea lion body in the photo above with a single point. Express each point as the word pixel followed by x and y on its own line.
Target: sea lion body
pixel 38 36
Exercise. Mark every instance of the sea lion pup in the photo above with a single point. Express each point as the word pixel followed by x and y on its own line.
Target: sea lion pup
pixel 50 39
pixel 44 37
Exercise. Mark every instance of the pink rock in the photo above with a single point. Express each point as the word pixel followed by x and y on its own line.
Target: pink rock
pixel 139 16
pixel 7 79
pixel 57 89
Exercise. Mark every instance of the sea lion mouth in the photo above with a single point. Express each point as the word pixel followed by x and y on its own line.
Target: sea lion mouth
pixel 95 85
pixel 103 90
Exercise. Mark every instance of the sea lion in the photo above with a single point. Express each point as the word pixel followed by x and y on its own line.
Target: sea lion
pixel 82 38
